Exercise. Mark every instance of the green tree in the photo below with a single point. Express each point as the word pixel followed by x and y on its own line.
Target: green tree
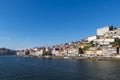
pixel 92 44
pixel 86 47
pixel 116 42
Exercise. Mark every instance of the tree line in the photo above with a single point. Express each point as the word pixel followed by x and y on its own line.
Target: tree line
pixel 5 51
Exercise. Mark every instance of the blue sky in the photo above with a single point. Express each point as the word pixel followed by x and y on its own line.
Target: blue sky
pixel 30 23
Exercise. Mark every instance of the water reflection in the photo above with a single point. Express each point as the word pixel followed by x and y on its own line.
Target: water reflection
pixel 18 68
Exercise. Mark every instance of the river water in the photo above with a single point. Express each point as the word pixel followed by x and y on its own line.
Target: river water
pixel 21 68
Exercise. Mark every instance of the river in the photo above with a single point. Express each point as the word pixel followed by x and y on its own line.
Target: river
pixel 22 68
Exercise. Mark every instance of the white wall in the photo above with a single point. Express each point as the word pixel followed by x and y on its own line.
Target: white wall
pixel 91 38
pixel 102 31
pixel 104 41
pixel 118 31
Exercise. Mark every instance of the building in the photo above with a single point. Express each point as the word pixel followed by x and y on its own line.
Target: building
pixel 103 30
pixel 117 31
pixel 92 38
pixel 106 41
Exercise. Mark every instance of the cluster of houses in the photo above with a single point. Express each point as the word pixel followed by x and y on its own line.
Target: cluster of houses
pixel 104 37
pixel 67 49
pixel 101 45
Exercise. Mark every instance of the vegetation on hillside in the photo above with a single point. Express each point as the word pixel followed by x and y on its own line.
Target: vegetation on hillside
pixel 5 51
pixel 116 42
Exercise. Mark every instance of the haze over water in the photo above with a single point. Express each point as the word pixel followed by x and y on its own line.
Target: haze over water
pixel 20 68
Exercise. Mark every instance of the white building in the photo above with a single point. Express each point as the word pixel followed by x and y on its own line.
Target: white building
pixel 116 36
pixel 56 52
pixel 102 31
pixel 114 33
pixel 105 41
pixel 92 38
pixel 117 31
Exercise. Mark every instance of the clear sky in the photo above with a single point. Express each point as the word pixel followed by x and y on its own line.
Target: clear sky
pixel 30 23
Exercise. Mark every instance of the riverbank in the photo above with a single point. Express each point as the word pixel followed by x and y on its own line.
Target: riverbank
pixel 96 58
pixel 77 58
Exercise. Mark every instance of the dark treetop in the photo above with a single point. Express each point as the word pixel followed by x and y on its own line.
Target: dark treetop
pixel 5 51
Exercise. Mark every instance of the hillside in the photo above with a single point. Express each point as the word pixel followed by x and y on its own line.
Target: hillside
pixel 5 51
